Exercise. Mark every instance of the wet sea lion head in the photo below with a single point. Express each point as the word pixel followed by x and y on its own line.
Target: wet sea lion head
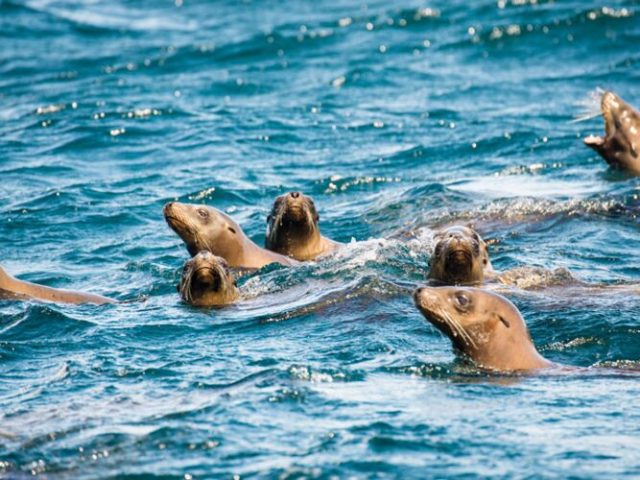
pixel 292 225
pixel 483 325
pixel 620 146
pixel 202 227
pixel 460 257
pixel 207 281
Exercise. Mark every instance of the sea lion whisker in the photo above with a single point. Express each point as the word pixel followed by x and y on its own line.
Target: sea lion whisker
pixel 185 285
pixel 463 333
pixel 452 323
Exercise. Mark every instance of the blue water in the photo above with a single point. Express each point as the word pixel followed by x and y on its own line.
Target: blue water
pixel 395 119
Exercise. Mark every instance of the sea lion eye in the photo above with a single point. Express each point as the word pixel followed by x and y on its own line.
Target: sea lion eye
pixel 232 230
pixel 203 213
pixel 462 299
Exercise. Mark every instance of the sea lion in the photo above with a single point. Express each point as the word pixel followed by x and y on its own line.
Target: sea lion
pixel 620 146
pixel 205 228
pixel 13 289
pixel 460 257
pixel 207 281
pixel 292 228
pixel 484 326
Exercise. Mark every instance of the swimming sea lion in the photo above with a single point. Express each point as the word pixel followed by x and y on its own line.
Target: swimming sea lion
pixel 207 281
pixel 620 146
pixel 485 326
pixel 460 257
pixel 13 289
pixel 205 228
pixel 292 228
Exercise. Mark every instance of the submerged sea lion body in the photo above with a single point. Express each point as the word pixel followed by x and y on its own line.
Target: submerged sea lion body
pixel 484 326
pixel 13 289
pixel 207 281
pixel 292 228
pixel 205 228
pixel 620 146
pixel 460 257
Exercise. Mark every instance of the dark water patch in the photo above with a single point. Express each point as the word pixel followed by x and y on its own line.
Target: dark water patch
pixel 33 325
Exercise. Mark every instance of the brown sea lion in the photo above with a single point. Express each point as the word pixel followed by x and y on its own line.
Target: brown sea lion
pixel 460 257
pixel 620 146
pixel 205 228
pixel 207 281
pixel 13 289
pixel 484 326
pixel 292 228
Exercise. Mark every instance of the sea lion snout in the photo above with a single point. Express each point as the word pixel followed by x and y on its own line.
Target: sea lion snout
pixel 295 206
pixel 168 208
pixel 416 294
pixel 426 298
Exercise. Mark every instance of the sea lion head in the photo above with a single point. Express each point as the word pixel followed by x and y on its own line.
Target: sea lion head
pixel 460 257
pixel 202 227
pixel 483 325
pixel 620 146
pixel 292 226
pixel 207 281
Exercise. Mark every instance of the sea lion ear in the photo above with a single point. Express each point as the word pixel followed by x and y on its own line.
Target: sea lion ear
pixel 504 321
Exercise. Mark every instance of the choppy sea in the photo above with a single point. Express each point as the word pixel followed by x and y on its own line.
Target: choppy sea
pixel 395 117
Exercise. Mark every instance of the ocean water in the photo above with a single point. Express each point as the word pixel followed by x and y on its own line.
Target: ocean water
pixel 395 117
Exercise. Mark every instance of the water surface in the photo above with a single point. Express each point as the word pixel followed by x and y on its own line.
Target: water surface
pixel 394 118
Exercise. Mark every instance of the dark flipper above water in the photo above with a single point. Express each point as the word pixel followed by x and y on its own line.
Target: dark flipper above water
pixel 620 146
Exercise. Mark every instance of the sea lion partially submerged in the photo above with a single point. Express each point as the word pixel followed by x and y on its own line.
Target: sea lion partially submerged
pixel 205 228
pixel 460 257
pixel 13 289
pixel 620 146
pixel 484 326
pixel 292 228
pixel 207 281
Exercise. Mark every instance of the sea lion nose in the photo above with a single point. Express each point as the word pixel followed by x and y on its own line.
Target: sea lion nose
pixel 168 207
pixel 295 194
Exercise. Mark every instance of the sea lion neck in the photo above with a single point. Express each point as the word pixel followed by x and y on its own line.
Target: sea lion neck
pixel 509 351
